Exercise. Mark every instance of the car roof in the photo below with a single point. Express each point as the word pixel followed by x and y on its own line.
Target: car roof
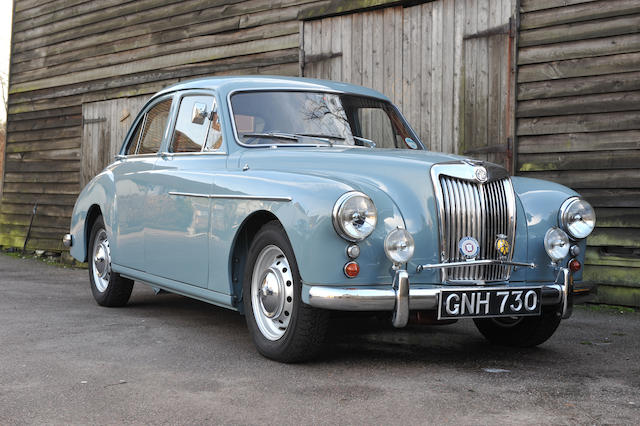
pixel 226 85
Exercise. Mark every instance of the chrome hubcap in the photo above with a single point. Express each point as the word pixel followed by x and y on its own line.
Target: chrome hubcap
pixel 101 261
pixel 272 292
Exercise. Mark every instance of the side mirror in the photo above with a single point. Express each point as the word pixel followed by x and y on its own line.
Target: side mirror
pixel 199 113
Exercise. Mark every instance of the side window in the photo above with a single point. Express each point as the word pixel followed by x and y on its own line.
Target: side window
pixel 192 124
pixel 154 128
pixel 133 143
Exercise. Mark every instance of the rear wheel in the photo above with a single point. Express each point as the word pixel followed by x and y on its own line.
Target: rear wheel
pixel 282 326
pixel 519 331
pixel 108 287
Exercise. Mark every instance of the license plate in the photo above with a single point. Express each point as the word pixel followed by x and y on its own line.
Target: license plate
pixel 482 303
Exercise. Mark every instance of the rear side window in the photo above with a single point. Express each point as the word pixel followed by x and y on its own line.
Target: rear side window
pixel 154 127
pixel 192 124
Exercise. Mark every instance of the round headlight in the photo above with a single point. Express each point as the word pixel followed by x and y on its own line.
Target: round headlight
pixel 354 216
pixel 399 246
pixel 577 217
pixel 556 243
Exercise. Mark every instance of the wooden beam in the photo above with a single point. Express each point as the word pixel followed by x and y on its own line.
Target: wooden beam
pixel 618 218
pixel 627 62
pixel 622 237
pixel 576 142
pixel 578 179
pixel 533 5
pixel 583 104
pixel 87 60
pixel 340 7
pixel 628 24
pixel 628 120
pixel 603 160
pixel 579 86
pixel 608 197
pixel 579 49
pixel 175 59
pixel 578 12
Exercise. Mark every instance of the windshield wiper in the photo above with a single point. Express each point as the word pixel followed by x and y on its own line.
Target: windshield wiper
pixel 273 135
pixel 292 136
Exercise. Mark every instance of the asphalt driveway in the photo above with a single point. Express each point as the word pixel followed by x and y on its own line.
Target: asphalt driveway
pixel 169 359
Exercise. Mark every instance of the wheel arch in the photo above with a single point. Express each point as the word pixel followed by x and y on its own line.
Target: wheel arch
pixel 240 248
pixel 92 215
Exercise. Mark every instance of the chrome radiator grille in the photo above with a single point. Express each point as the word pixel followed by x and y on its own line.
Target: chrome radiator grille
pixel 479 210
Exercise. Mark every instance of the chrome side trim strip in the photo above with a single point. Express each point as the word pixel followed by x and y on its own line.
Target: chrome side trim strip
pixel 421 268
pixel 188 194
pixel 231 196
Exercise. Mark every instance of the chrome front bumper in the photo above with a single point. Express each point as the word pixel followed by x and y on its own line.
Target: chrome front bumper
pixel 401 297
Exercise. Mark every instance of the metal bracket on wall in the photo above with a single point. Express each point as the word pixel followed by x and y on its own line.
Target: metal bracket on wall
pixel 93 120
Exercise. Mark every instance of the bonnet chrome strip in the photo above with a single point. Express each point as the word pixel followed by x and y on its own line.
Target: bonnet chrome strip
pixel 232 196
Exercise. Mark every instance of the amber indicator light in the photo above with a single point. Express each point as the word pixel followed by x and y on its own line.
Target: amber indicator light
pixel 351 269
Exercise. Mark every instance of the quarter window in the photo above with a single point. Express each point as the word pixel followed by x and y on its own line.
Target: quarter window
pixel 154 127
pixel 133 144
pixel 193 123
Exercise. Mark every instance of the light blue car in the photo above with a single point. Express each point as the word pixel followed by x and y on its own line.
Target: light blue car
pixel 287 198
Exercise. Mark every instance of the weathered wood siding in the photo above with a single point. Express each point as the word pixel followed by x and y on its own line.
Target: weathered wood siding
pixel 432 60
pixel 69 54
pixel 579 123
pixel 104 126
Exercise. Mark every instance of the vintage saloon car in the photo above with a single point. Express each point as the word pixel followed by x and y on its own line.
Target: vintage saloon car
pixel 285 198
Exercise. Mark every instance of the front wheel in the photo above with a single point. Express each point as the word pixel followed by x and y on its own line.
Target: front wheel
pixel 519 331
pixel 108 287
pixel 282 326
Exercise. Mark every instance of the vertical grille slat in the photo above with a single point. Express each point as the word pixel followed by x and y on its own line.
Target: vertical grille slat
pixel 481 211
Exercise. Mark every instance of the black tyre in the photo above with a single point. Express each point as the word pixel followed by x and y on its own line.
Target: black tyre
pixel 108 287
pixel 521 331
pixel 282 326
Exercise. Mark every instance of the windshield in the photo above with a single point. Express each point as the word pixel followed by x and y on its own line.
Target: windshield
pixel 312 118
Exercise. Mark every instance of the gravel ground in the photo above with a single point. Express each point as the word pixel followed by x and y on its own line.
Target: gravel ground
pixel 169 359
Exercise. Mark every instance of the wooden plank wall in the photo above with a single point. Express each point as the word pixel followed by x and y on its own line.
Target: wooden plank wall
pixel 415 56
pixel 104 126
pixel 67 53
pixel 579 123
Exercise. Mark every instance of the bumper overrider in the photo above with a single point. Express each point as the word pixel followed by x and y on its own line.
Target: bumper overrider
pixel 401 298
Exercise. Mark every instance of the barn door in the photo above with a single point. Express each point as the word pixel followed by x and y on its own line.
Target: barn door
pixel 104 126
pixel 488 89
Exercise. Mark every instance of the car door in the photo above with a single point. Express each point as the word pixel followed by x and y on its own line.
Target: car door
pixel 132 177
pixel 177 239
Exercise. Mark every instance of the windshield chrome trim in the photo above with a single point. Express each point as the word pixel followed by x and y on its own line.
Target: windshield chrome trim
pixel 299 89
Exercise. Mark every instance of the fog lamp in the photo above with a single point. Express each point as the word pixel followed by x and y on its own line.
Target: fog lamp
pixel 399 246
pixel 556 243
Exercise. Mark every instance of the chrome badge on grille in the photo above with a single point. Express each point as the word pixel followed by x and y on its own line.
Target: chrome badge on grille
pixel 481 174
pixel 469 247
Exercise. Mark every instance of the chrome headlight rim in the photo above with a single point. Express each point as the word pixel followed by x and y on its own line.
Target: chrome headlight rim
pixel 337 224
pixel 563 217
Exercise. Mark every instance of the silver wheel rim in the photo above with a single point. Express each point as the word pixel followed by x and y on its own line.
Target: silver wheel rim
pixel 272 292
pixel 101 261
